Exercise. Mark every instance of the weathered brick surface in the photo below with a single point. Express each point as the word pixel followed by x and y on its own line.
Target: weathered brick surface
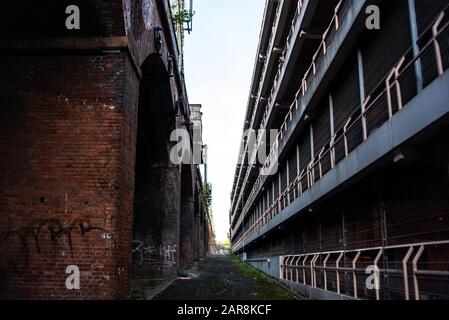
pixel 187 232
pixel 46 19
pixel 156 225
pixel 63 190
pixel 68 137
pixel 127 179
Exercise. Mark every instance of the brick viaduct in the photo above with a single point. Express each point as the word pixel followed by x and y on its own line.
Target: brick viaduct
pixel 85 124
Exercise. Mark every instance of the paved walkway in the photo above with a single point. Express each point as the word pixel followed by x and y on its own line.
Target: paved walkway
pixel 224 278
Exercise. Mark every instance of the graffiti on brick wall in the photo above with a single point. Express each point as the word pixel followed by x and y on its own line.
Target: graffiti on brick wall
pixel 20 243
pixel 165 255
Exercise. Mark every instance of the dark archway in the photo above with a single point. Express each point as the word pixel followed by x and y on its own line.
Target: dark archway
pixel 156 197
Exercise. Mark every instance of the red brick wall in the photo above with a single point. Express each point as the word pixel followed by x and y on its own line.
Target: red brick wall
pixel 68 123
pixel 67 140
pixel 46 19
pixel 127 179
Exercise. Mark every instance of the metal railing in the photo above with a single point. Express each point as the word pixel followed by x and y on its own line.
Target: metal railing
pixel 328 36
pixel 270 49
pixel 280 65
pixel 348 271
pixel 383 102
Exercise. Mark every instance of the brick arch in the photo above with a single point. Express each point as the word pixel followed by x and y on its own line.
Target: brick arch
pixel 156 112
pixel 156 195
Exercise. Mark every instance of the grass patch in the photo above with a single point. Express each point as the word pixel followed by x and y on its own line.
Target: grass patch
pixel 183 273
pixel 138 295
pixel 266 287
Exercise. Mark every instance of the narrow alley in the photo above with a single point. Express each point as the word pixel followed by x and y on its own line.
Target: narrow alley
pixel 224 278
pixel 186 150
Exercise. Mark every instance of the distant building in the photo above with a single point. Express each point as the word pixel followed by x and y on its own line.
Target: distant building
pixel 197 121
pixel 196 116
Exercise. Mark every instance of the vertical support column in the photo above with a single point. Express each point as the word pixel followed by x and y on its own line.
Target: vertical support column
pixel 345 247
pixel 265 200
pixel 312 155
pixel 332 129
pixel 362 93
pixel 257 212
pixel 280 191
pixel 264 210
pixel 156 224
pixel 264 207
pixel 343 225
pixel 321 235
pixel 197 224
pixel 298 169
pixel 415 46
pixel 380 181
pixel 274 200
pixel 312 145
pixel 186 231
pixel 288 182
pixel 361 76
pixel 331 114
pixel 203 234
pixel 202 242
pixel 298 172
pixel 254 216
pixel 383 221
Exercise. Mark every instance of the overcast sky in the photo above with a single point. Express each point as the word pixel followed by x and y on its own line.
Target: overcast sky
pixel 219 61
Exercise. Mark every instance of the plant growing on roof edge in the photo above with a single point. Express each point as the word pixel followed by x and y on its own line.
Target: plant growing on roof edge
pixel 181 16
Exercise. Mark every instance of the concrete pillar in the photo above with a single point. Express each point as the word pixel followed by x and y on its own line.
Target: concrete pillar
pixel 312 144
pixel 415 46
pixel 187 231
pixel 331 115
pixel 361 76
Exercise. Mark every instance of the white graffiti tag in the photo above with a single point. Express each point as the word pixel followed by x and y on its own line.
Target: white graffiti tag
pixel 151 253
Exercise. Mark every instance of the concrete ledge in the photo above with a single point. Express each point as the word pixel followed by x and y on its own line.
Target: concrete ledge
pixel 315 293
pixel 271 267
pixel 257 260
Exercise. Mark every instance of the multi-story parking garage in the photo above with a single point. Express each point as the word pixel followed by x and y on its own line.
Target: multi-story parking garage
pixel 362 147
